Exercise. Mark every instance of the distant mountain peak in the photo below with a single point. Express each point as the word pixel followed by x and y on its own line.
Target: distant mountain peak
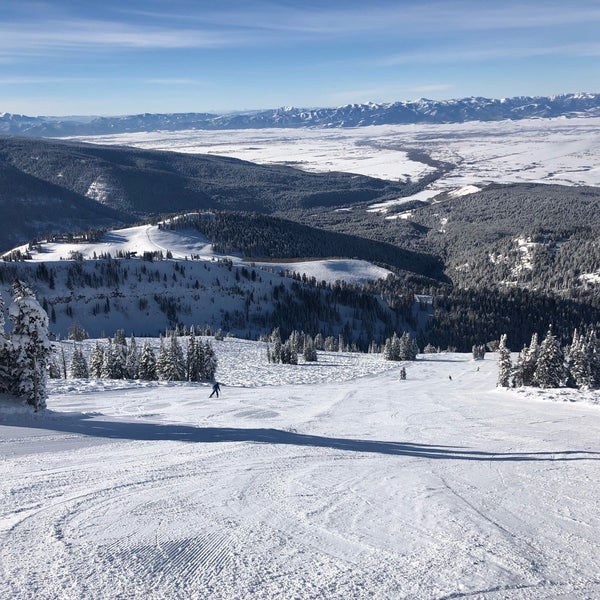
pixel 422 110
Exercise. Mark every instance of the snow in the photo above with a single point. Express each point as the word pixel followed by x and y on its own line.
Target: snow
pixel 188 242
pixel 561 151
pixel 334 480
pixel 464 191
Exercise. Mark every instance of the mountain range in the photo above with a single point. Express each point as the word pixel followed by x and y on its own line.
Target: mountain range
pixel 350 115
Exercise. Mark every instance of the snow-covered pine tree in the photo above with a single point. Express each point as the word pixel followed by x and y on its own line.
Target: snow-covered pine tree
pixel 6 378
pixel 504 363
pixel 319 341
pixel 209 362
pixel 550 371
pixel 478 351
pixel 31 344
pixel 174 368
pixel 96 361
pixel 79 366
pixel 276 341
pixel 108 362
pixel 195 358
pixel 162 359
pixel 407 347
pixel 392 348
pixel 529 361
pixel 578 363
pixel 310 352
pixel 289 356
pixel 132 359
pixel 147 364
pixel 592 347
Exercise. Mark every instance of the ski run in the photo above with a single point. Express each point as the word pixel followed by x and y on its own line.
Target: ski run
pixel 329 480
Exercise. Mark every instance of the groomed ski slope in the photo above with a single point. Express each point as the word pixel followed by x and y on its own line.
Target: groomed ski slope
pixel 351 488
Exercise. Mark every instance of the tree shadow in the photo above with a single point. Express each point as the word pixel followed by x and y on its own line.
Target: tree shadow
pixel 89 425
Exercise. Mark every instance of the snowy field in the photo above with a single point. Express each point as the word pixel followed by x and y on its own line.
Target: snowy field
pixel 562 151
pixel 334 480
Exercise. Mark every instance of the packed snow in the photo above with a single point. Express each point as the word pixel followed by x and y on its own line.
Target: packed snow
pixel 333 480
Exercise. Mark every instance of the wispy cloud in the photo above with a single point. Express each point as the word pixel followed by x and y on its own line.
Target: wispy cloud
pixel 449 55
pixel 237 24
pixel 93 34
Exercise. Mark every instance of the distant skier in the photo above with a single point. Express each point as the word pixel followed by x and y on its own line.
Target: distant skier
pixel 216 389
pixel 402 373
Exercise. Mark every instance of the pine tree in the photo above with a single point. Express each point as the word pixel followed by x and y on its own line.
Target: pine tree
pixel 31 344
pixel 407 347
pixel 550 371
pixel 6 371
pixel 162 359
pixel 289 356
pixel 392 348
pixel 529 361
pixel 108 362
pixel 79 366
pixel 96 361
pixel 132 359
pixel 147 364
pixel 276 341
pixel 195 359
pixel 504 363
pixel 209 362
pixel 174 366
pixel 592 348
pixel 310 352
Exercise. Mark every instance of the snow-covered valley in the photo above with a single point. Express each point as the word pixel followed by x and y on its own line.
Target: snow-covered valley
pixel 559 151
pixel 326 480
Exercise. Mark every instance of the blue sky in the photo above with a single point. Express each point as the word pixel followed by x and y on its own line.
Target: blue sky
pixel 76 57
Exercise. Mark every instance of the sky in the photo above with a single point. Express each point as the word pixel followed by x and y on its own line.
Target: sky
pixel 84 57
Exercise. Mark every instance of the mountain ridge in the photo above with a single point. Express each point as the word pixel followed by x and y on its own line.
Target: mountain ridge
pixel 423 110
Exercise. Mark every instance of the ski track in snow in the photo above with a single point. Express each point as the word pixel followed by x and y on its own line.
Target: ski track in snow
pixel 356 486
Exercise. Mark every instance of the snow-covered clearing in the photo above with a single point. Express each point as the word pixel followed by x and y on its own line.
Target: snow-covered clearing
pixel 186 243
pixel 331 480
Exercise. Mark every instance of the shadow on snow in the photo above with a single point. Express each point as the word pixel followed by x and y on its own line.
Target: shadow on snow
pixel 89 426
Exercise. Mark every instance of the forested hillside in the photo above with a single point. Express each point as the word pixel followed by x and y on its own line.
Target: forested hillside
pixel 73 178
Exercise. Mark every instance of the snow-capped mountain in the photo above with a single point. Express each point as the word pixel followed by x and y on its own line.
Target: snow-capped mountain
pixel 350 115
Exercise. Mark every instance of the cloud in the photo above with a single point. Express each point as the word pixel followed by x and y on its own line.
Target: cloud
pixel 94 34
pixel 450 55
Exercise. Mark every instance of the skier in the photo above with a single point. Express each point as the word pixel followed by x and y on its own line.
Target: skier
pixel 216 389
pixel 402 373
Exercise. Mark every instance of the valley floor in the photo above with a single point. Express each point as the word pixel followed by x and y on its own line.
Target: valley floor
pixel 439 486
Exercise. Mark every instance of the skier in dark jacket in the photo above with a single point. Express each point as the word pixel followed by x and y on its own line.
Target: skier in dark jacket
pixel 216 389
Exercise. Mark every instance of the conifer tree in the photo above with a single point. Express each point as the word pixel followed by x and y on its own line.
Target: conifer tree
pixel 162 359
pixel 96 361
pixel 550 370
pixel 209 362
pixel 6 376
pixel 195 359
pixel 310 352
pixel 504 363
pixel 174 367
pixel 132 359
pixel 277 343
pixel 79 366
pixel 31 345
pixel 147 364
pixel 529 360
pixel 289 356
pixel 107 361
